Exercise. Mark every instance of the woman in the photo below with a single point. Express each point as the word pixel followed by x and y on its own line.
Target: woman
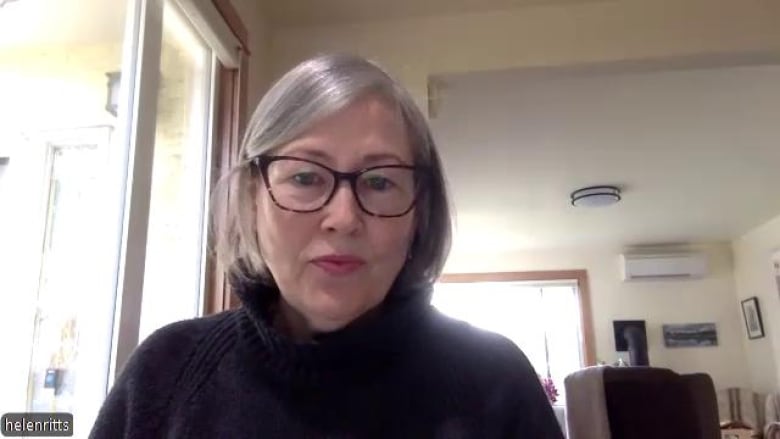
pixel 340 229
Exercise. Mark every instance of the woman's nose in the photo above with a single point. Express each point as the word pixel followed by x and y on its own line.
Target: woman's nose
pixel 343 213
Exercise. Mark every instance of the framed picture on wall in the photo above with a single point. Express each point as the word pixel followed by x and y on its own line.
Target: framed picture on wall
pixel 752 314
pixel 690 335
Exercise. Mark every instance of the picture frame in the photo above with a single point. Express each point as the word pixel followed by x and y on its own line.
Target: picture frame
pixel 690 335
pixel 619 327
pixel 752 314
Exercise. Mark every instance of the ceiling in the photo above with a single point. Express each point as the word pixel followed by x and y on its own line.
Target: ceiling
pixel 321 12
pixel 696 151
pixel 42 22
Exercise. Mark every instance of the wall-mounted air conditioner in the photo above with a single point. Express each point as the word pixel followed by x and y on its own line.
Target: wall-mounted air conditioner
pixel 663 266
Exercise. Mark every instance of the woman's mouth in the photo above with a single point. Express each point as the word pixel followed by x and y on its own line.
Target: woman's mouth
pixel 339 265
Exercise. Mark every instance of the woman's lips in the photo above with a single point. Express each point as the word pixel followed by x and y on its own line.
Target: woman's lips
pixel 339 265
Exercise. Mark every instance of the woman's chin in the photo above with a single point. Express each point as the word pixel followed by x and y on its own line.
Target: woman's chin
pixel 333 312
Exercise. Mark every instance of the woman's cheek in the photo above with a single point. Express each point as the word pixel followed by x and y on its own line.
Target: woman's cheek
pixel 395 242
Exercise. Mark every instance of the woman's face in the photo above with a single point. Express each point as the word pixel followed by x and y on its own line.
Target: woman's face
pixel 335 264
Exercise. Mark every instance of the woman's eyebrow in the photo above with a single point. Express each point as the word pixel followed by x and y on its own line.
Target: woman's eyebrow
pixel 380 157
pixel 318 154
pixel 310 153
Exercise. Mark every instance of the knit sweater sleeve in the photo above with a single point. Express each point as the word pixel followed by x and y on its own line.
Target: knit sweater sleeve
pixel 518 407
pixel 139 403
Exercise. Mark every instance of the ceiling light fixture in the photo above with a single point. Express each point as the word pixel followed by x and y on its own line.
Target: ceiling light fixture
pixel 595 196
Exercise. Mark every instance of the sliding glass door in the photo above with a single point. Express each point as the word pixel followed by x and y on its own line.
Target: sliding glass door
pixel 61 203
pixel 108 112
pixel 174 247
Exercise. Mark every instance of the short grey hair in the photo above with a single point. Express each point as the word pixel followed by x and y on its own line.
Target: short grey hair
pixel 311 91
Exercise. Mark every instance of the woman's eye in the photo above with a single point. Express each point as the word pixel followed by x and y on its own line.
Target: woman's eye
pixel 306 178
pixel 378 183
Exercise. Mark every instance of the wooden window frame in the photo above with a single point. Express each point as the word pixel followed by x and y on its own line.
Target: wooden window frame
pixel 580 276
pixel 231 120
pixel 233 20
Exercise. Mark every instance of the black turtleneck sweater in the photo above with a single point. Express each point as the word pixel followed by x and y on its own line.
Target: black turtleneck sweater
pixel 403 371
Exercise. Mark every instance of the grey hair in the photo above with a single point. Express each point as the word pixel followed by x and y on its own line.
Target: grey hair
pixel 306 94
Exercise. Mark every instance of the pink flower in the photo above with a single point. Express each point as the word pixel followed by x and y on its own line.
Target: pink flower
pixel 549 389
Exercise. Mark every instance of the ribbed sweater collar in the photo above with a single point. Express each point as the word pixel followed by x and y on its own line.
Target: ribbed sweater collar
pixel 354 353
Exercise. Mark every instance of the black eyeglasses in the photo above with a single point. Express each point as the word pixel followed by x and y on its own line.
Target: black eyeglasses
pixel 302 185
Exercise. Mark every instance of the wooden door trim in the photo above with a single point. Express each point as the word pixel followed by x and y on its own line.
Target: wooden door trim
pixel 234 22
pixel 231 121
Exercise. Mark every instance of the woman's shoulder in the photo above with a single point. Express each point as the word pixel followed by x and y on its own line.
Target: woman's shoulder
pixel 180 346
pixel 489 370
pixel 485 351
pixel 175 340
pixel 166 367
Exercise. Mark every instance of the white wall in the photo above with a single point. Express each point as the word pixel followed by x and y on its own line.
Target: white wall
pixel 755 277
pixel 711 299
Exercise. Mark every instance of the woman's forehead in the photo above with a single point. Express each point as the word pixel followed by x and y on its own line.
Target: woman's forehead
pixel 367 131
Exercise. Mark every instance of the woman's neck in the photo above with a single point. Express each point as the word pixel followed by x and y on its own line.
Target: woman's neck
pixel 288 321
pixel 292 323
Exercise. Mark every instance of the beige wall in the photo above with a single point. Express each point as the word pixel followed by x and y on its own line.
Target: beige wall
pixel 259 39
pixel 710 299
pixel 755 277
pixel 604 31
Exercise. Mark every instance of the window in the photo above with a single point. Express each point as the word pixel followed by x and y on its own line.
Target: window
pixel 544 317
pixel 177 211
pixel 105 171
pixel 61 203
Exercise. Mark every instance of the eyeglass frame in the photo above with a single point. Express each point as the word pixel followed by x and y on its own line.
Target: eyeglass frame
pixel 262 162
